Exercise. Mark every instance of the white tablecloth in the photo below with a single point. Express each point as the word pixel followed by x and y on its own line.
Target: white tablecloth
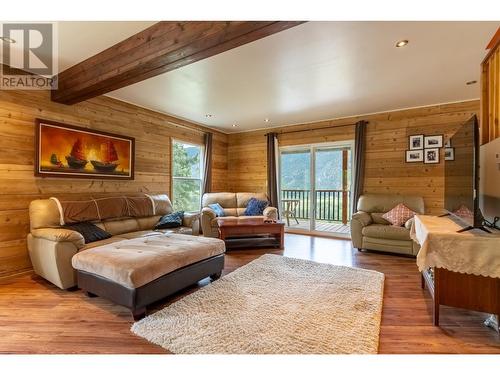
pixel 473 252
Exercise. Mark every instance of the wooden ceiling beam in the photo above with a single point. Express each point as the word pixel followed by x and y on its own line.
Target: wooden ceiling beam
pixel 163 47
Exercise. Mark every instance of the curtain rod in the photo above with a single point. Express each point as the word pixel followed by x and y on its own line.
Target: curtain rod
pixel 323 127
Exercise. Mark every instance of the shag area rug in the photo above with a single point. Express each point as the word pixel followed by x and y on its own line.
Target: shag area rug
pixel 274 305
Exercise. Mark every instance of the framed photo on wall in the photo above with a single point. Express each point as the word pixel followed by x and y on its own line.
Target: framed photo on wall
pixel 416 142
pixel 433 141
pixel 431 155
pixel 64 150
pixel 413 156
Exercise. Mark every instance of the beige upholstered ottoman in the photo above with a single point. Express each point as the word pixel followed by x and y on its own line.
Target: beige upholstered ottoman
pixel 137 272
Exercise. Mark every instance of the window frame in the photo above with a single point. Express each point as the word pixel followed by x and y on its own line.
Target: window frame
pixel 173 178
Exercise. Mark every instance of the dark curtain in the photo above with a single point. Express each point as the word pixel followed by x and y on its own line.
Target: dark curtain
pixel 207 164
pixel 272 182
pixel 359 162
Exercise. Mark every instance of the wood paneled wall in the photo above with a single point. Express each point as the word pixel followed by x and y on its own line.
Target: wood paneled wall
pixel 18 186
pixel 387 140
pixel 239 160
pixel 490 93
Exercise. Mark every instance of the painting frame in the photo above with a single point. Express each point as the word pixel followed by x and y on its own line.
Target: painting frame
pixel 431 155
pixel 409 159
pixel 412 139
pixel 433 138
pixel 40 172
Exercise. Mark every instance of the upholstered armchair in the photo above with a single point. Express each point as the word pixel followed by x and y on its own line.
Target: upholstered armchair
pixel 370 231
pixel 234 205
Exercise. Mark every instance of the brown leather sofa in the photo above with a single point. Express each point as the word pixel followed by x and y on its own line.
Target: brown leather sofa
pixel 51 247
pixel 370 231
pixel 234 205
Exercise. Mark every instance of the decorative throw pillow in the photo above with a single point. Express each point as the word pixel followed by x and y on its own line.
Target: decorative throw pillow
pixel 255 207
pixel 399 215
pixel 89 231
pixel 173 220
pixel 217 208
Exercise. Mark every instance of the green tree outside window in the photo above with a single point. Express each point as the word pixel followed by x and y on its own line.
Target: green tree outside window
pixel 186 176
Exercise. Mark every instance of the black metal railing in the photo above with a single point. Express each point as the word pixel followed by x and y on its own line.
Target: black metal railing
pixel 331 205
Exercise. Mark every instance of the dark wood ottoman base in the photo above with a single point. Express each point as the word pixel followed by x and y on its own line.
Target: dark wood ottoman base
pixel 137 299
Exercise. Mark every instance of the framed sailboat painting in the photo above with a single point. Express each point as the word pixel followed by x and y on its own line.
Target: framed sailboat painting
pixel 64 150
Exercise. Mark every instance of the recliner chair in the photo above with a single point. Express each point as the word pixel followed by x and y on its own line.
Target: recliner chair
pixel 370 231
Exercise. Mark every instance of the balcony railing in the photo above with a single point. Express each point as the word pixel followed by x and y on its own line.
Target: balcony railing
pixel 331 205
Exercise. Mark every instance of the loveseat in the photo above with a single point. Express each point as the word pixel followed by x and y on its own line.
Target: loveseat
pixel 234 205
pixel 370 231
pixel 51 246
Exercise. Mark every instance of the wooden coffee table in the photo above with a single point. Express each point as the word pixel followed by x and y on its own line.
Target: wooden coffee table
pixel 243 227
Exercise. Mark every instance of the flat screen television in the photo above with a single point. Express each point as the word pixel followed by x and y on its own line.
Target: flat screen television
pixel 462 175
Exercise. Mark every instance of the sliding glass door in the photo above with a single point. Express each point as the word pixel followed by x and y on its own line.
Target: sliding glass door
pixel 315 183
pixel 295 185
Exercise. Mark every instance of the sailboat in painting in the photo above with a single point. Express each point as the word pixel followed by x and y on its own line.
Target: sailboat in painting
pixel 76 158
pixel 109 156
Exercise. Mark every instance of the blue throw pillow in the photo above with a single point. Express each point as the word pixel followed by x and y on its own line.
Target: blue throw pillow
pixel 255 207
pixel 217 208
pixel 173 220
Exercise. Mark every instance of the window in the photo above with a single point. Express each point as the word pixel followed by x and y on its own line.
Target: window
pixel 187 176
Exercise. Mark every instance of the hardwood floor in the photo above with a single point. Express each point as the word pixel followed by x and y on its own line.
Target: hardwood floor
pixel 37 317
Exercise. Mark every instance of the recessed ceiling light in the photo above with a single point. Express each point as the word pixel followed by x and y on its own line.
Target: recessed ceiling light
pixel 7 40
pixel 234 125
pixel 470 82
pixel 266 120
pixel 401 43
pixel 208 115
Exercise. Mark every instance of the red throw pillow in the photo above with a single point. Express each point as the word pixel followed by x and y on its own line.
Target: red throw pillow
pixel 399 215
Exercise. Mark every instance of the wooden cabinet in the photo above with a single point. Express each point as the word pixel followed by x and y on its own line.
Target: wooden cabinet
pixel 462 290
pixel 490 92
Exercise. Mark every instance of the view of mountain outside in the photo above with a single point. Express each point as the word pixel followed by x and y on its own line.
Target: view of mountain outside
pixel 187 176
pixel 328 169
pixel 295 170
